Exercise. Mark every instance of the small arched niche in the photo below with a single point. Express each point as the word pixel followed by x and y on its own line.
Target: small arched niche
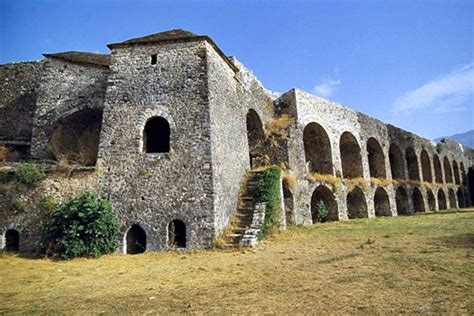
pixel 136 240
pixel 156 135
pixel 177 234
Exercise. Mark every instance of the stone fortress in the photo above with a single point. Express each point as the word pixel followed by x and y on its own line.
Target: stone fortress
pixel 167 127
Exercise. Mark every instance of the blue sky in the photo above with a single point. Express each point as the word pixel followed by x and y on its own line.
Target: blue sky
pixel 409 63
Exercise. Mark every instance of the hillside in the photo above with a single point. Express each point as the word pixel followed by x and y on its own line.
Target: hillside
pixel 419 264
pixel 466 138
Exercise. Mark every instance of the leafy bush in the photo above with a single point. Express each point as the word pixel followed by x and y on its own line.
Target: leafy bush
pixel 30 174
pixel 48 202
pixel 19 203
pixel 321 212
pixel 84 226
pixel 268 192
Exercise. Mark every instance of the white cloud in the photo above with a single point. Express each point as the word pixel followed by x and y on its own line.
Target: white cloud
pixel 444 94
pixel 326 87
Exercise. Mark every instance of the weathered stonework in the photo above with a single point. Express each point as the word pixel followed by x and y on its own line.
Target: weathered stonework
pixel 218 115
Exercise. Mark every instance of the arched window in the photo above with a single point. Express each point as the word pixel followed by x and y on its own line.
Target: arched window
pixel 356 204
pixel 255 138
pixel 156 137
pixel 12 240
pixel 136 240
pixel 177 234
pixel 350 156
pixel 324 195
pixel 381 203
pixel 376 159
pixel 317 149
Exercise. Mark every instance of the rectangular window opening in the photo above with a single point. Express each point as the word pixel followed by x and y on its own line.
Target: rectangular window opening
pixel 153 59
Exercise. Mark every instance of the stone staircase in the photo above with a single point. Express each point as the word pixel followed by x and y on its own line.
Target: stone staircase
pixel 248 218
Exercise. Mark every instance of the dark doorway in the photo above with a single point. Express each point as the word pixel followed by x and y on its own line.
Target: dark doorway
pixel 381 203
pixel 401 198
pixel 177 234
pixel 441 200
pixel 156 137
pixel 12 240
pixel 418 203
pixel 356 204
pixel 136 240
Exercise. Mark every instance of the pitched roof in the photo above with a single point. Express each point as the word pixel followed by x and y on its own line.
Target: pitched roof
pixel 102 60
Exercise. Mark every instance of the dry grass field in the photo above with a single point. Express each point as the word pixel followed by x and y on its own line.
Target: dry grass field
pixel 413 264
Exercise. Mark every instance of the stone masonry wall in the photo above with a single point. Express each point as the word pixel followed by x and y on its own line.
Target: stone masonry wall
pixel 66 88
pixel 153 189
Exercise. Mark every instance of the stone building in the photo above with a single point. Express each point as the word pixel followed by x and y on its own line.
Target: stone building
pixel 166 127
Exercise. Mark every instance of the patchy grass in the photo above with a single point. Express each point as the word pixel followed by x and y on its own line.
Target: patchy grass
pixel 411 264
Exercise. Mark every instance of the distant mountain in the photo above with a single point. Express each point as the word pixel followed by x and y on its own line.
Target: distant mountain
pixel 466 138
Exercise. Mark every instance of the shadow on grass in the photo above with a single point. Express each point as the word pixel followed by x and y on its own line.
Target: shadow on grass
pixel 458 241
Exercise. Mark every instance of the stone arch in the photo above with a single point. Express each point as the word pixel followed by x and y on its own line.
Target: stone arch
pixel 156 135
pixel 412 164
pixel 76 137
pixel 381 203
pixel 317 149
pixel 431 200
pixel 135 240
pixel 452 199
pixel 461 200
pixel 426 166
pixel 289 205
pixel 418 203
pixel 401 199
pixel 177 234
pixel 376 159
pixel 356 204
pixel 457 179
pixel 448 175
pixel 437 169
pixel 255 137
pixel 324 194
pixel 350 156
pixel 12 240
pixel 396 162
pixel 441 200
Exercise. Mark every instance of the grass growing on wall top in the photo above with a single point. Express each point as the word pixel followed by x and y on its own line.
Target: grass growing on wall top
pixel 268 192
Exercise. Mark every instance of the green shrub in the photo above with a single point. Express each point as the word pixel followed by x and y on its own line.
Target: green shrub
pixel 338 174
pixel 82 227
pixel 19 204
pixel 30 174
pixel 321 212
pixel 268 192
pixel 48 202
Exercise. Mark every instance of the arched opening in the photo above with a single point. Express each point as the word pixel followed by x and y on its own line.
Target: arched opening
pixel 381 203
pixel 177 234
pixel 412 164
pixel 452 199
pixel 457 179
pixel 461 200
pixel 323 195
pixel 255 138
pixel 418 203
pixel 426 166
pixel 317 149
pixel 401 199
pixel 447 170
pixel 289 207
pixel 156 137
pixel 441 200
pixel 463 175
pixel 437 168
pixel 470 184
pixel 376 159
pixel 136 240
pixel 396 162
pixel 356 204
pixel 431 201
pixel 12 240
pixel 350 156
pixel 76 138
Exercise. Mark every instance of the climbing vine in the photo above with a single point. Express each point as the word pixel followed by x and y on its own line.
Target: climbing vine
pixel 268 192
